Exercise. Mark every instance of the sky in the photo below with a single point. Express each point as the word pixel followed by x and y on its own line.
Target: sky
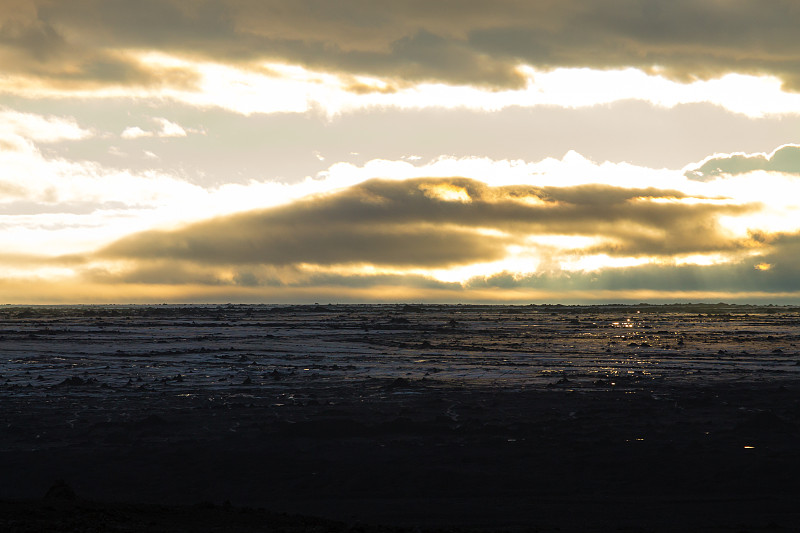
pixel 504 151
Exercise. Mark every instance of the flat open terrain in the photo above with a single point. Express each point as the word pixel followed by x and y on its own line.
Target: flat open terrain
pixel 542 418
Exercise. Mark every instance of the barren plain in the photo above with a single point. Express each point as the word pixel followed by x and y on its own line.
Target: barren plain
pixel 397 417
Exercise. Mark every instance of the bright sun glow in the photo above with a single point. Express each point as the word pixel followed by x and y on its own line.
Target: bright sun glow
pixel 447 193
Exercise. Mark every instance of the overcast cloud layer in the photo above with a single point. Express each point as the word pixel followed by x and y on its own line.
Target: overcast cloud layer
pixel 86 42
pixel 306 150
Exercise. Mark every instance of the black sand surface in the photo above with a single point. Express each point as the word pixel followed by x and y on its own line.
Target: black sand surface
pixel 380 418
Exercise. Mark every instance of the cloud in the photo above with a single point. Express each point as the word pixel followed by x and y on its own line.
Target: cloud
pixel 28 127
pixel 784 159
pixel 501 210
pixel 166 129
pixel 37 41
pixel 545 230
pixel 169 129
pixel 733 281
pixel 86 42
pixel 54 204
pixel 733 278
pixel 135 132
pixel 438 223
pixel 12 190
pixel 505 222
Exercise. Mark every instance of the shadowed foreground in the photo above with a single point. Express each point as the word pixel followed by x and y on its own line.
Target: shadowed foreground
pixel 439 417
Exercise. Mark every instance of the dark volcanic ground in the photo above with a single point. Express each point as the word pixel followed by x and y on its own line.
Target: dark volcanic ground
pixel 542 418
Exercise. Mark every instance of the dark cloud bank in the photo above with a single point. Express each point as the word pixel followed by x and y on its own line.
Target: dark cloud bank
pixel 413 223
pixel 442 222
pixel 478 42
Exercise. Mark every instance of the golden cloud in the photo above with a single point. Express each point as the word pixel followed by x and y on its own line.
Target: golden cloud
pixel 430 223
